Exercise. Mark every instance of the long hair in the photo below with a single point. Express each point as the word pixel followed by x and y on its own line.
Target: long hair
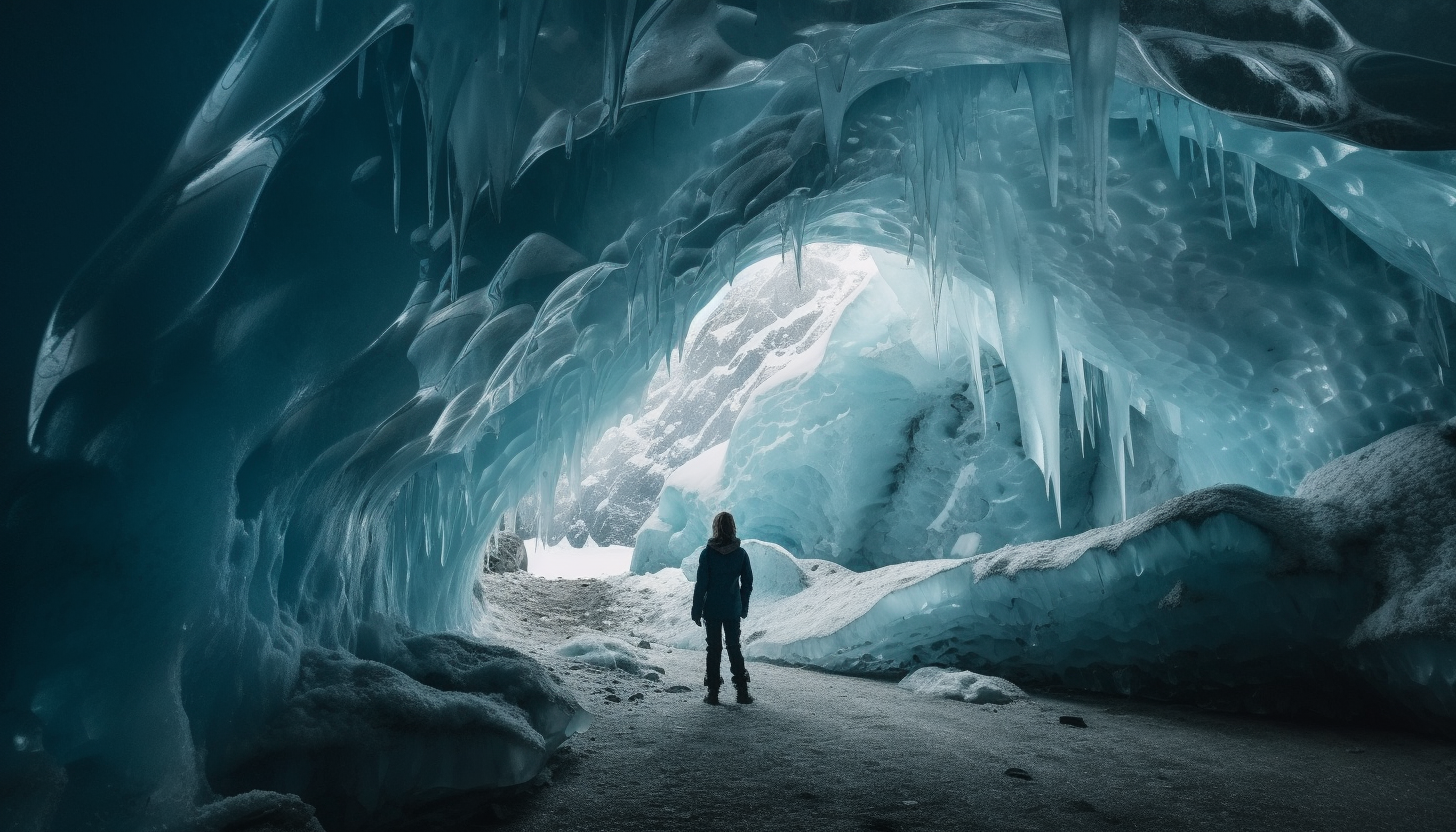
pixel 723 527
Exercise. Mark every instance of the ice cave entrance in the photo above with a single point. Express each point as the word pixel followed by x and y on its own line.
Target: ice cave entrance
pixel 846 414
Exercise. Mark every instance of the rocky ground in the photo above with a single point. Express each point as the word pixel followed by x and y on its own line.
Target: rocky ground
pixel 826 752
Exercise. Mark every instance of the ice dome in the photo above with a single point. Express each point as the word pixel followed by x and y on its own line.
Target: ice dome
pixel 1064 292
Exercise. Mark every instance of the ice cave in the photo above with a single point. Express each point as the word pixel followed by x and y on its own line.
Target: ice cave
pixel 1075 370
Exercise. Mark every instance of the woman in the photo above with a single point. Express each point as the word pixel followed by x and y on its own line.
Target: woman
pixel 725 580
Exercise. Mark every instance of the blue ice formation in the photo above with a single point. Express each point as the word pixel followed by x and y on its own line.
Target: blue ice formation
pixel 289 399
pixel 1226 596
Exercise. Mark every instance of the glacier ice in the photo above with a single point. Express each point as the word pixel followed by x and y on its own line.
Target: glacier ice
pixel 263 423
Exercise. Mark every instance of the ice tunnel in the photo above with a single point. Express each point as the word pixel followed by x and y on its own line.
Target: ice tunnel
pixel 1086 342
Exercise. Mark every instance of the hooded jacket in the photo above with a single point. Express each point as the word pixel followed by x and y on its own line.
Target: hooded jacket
pixel 725 580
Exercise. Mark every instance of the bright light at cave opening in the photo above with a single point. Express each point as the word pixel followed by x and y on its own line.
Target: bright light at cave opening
pixel 771 326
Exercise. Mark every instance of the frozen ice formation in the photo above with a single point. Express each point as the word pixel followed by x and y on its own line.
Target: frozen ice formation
pixel 264 421
pixel 1224 595
pixel 934 456
pixel 963 685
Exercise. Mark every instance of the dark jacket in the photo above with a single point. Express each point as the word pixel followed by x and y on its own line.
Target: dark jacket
pixel 725 580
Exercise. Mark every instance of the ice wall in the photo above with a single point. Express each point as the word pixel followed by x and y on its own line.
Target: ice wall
pixel 1224 596
pixel 264 420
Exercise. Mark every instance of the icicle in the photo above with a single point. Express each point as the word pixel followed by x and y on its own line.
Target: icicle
pixel 1295 219
pixel 1145 112
pixel 968 314
pixel 359 92
pixel 830 71
pixel 1202 131
pixel 392 85
pixel 695 104
pixel 1117 385
pixel 1249 170
pixel 795 211
pixel 1168 129
pixel 1092 33
pixel 618 46
pixel 1026 314
pixel 318 15
pixel 1042 81
pixel 1228 226
pixel 570 134
pixel 1077 387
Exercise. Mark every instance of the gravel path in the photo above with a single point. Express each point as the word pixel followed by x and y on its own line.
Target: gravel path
pixel 826 752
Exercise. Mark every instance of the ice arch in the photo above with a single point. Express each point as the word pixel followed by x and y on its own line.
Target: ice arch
pixel 284 468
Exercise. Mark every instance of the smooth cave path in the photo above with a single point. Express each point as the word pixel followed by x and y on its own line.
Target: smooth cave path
pixel 825 752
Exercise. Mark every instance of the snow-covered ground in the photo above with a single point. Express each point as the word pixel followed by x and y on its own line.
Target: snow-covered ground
pixel 824 751
pixel 562 560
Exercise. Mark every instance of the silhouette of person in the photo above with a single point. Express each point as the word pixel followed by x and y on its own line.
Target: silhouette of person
pixel 725 580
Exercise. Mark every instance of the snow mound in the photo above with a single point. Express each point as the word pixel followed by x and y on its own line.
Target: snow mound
pixel 607 653
pixel 255 811
pixel 776 573
pixel 363 737
pixel 963 685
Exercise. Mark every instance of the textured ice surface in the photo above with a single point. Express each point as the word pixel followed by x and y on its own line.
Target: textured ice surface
pixel 963 685
pixel 359 737
pixel 263 420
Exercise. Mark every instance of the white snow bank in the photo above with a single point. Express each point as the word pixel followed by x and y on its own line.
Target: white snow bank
pixel 963 685
pixel 606 652
pixel 561 560
pixel 776 573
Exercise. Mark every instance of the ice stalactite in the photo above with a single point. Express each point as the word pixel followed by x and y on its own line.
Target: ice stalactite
pixel 1044 81
pixel 1168 130
pixel 1249 167
pixel 1077 387
pixel 833 67
pixel 394 80
pixel 967 305
pixel 359 80
pixel 1026 314
pixel 1092 33
pixel 1116 404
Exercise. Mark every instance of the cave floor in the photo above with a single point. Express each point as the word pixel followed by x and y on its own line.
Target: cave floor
pixel 825 752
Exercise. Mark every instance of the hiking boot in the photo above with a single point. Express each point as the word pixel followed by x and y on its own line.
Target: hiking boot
pixel 741 683
pixel 712 697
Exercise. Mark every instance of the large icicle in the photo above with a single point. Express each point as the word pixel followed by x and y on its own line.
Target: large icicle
pixel 1117 389
pixel 832 68
pixel 1042 81
pixel 1026 315
pixel 1077 386
pixel 1092 32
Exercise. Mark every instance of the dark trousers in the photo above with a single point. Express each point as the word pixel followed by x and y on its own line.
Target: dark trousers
pixel 716 629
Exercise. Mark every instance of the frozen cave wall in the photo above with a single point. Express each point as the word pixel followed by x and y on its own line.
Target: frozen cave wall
pixel 278 413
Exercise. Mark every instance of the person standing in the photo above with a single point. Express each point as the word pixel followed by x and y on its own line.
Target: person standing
pixel 725 581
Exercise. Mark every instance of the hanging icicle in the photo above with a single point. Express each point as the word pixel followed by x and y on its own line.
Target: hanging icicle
pixel 1092 33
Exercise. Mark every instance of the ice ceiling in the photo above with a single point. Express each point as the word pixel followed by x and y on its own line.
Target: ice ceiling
pixel 278 431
